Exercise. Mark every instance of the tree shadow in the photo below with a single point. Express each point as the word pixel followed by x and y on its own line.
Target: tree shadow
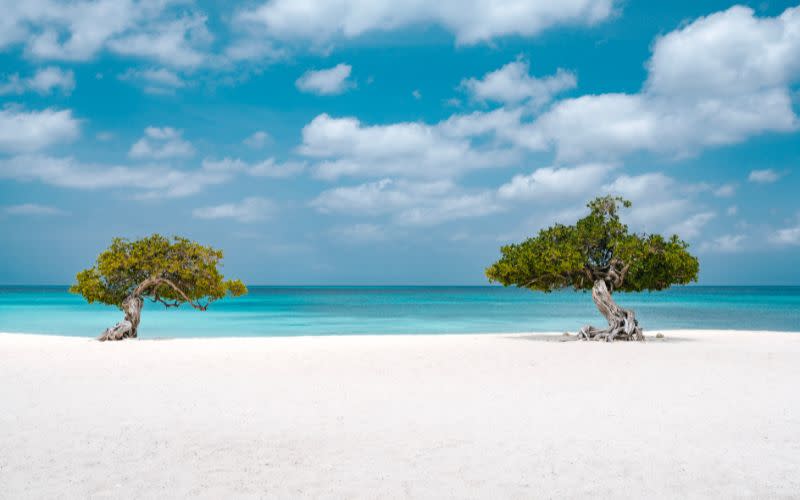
pixel 549 337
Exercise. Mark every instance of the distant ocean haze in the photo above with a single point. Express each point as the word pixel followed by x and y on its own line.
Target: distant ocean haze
pixel 297 311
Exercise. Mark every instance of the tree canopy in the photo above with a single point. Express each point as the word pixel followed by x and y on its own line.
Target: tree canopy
pixel 169 271
pixel 597 247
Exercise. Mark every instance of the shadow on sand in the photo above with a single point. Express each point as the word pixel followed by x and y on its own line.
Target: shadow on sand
pixel 569 337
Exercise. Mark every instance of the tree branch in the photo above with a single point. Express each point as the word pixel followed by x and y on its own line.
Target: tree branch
pixel 155 281
pixel 196 305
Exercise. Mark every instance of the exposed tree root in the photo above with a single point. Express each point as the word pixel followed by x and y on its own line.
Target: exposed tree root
pixel 622 323
pixel 127 328
pixel 122 330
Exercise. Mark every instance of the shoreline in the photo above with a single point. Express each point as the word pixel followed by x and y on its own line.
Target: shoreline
pixel 649 335
pixel 706 414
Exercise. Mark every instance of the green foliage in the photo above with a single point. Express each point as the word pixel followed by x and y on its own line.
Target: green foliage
pixel 598 246
pixel 150 267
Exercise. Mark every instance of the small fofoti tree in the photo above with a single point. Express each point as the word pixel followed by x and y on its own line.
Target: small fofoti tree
pixel 168 271
pixel 598 253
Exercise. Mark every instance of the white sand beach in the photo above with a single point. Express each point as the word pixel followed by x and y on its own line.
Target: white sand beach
pixel 698 415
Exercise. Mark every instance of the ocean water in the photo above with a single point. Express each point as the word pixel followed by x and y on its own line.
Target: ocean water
pixel 293 311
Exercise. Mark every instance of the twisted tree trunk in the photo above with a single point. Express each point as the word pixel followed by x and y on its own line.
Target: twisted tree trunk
pixel 622 324
pixel 127 328
pixel 132 307
pixel 133 303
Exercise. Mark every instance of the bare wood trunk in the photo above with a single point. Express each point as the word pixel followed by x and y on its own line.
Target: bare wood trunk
pixel 127 328
pixel 622 323
pixel 132 307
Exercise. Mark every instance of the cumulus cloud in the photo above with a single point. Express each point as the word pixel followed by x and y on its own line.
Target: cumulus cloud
pixel 706 87
pixel 75 31
pixel 471 22
pixel 512 84
pixel 266 168
pixel 257 139
pixel 178 43
pixel 549 183
pixel 650 186
pixel 32 209
pixel 727 243
pixel 150 181
pixel 173 33
pixel 161 143
pixel 725 191
pixel 786 236
pixel 692 226
pixel 155 80
pixel 330 81
pixel 661 204
pixel 346 147
pixel 251 209
pixel 767 176
pixel 28 131
pixel 44 81
pixel 666 116
pixel 250 48
pixel 409 202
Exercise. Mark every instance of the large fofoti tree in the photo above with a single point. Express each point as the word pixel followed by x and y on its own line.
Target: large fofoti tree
pixel 598 253
pixel 168 271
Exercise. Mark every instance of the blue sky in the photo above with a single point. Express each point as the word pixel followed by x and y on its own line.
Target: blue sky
pixel 384 142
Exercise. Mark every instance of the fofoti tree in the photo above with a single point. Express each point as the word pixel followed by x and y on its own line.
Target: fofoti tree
pixel 598 253
pixel 168 271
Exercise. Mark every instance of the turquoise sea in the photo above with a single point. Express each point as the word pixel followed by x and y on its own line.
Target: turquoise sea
pixel 291 311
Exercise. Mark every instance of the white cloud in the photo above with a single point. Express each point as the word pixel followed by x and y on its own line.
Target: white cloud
pixel 732 210
pixel 172 32
pixel 661 204
pixel 550 183
pixel 767 176
pixel 345 147
pixel 728 243
pixel 251 209
pixel 44 81
pixel 161 143
pixel 177 43
pixel 416 94
pixel 502 124
pixel 150 181
pixel 471 22
pixel 257 139
pixel 786 236
pixel 27 131
pixel 410 203
pixel 455 206
pixel 651 186
pixel 725 191
pixel 379 197
pixel 251 48
pixel 32 209
pixel 76 30
pixel 265 168
pixel 731 53
pixel 512 84
pixel 330 81
pixel 155 80
pixel 709 84
pixel 692 226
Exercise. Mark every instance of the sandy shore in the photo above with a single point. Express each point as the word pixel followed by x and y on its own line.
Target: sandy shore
pixel 702 414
